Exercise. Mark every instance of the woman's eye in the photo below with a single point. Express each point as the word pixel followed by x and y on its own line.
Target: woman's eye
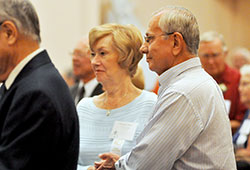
pixel 92 54
pixel 102 53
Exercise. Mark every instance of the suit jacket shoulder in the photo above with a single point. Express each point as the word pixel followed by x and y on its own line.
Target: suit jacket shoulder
pixel 38 120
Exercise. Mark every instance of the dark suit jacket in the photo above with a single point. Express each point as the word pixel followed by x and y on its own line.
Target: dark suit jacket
pixel 98 90
pixel 39 127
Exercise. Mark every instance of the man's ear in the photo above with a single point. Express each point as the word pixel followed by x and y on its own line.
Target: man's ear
pixel 10 32
pixel 178 43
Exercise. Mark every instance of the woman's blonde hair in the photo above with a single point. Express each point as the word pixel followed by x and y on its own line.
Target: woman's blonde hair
pixel 127 40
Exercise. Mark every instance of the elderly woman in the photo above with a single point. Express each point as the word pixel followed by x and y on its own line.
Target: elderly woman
pixel 113 120
pixel 241 138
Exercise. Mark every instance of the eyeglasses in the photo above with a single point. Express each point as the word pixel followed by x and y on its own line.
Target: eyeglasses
pixel 149 38
pixel 79 55
pixel 244 83
pixel 213 55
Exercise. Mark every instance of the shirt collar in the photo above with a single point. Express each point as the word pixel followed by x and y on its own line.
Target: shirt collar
pixel 89 86
pixel 166 78
pixel 14 73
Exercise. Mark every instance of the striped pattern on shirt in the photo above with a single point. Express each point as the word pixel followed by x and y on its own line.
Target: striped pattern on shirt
pixel 189 129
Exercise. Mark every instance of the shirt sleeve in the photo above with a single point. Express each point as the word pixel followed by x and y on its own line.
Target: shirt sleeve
pixel 167 136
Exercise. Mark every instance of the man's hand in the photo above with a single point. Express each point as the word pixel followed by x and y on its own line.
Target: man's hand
pixel 108 161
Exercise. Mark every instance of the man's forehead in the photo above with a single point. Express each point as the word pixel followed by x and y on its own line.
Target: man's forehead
pixel 245 77
pixel 153 26
pixel 81 45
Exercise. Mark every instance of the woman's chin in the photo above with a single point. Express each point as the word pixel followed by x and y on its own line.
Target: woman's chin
pixel 99 79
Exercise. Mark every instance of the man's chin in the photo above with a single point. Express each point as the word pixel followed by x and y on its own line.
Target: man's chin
pixel 151 67
pixel 212 73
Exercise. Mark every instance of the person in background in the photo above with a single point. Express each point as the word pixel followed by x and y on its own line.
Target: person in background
pixel 39 127
pixel 87 85
pixel 189 128
pixel 114 119
pixel 69 77
pixel 213 52
pixel 239 57
pixel 241 138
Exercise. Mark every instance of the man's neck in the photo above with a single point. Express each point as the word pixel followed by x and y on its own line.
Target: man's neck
pixel 21 50
pixel 87 79
pixel 24 47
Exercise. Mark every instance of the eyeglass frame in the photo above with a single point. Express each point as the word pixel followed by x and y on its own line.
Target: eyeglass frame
pixel 148 38
pixel 151 37
pixel 72 54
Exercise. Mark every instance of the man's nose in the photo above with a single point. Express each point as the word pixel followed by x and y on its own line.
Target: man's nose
pixel 74 58
pixel 144 49
pixel 211 60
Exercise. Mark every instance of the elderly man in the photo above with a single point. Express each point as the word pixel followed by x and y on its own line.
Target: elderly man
pixel 82 69
pixel 213 52
pixel 239 57
pixel 241 138
pixel 38 122
pixel 189 128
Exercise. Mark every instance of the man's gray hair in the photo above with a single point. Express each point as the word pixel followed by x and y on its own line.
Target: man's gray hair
pixel 211 36
pixel 245 70
pixel 179 19
pixel 24 16
pixel 242 51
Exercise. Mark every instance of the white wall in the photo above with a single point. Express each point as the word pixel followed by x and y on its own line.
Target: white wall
pixel 63 23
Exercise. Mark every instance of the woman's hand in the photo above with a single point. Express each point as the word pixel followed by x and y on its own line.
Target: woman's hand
pixel 91 168
pixel 108 161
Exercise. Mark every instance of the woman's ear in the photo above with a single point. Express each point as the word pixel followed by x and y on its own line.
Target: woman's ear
pixel 10 32
pixel 178 43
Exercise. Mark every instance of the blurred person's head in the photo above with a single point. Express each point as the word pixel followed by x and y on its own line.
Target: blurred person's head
pixel 244 87
pixel 82 68
pixel 239 57
pixel 115 51
pixel 213 52
pixel 19 33
pixel 172 37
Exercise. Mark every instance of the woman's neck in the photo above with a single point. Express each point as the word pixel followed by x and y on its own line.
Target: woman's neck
pixel 117 94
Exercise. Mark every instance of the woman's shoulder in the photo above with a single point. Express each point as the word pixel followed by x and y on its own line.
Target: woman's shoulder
pixel 146 97
pixel 149 95
pixel 85 102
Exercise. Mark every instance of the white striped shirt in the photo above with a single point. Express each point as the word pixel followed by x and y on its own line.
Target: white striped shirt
pixel 189 129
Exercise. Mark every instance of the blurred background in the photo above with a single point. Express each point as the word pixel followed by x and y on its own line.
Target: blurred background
pixel 64 22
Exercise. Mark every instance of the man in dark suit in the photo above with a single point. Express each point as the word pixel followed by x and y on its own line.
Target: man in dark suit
pixel 87 85
pixel 39 127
